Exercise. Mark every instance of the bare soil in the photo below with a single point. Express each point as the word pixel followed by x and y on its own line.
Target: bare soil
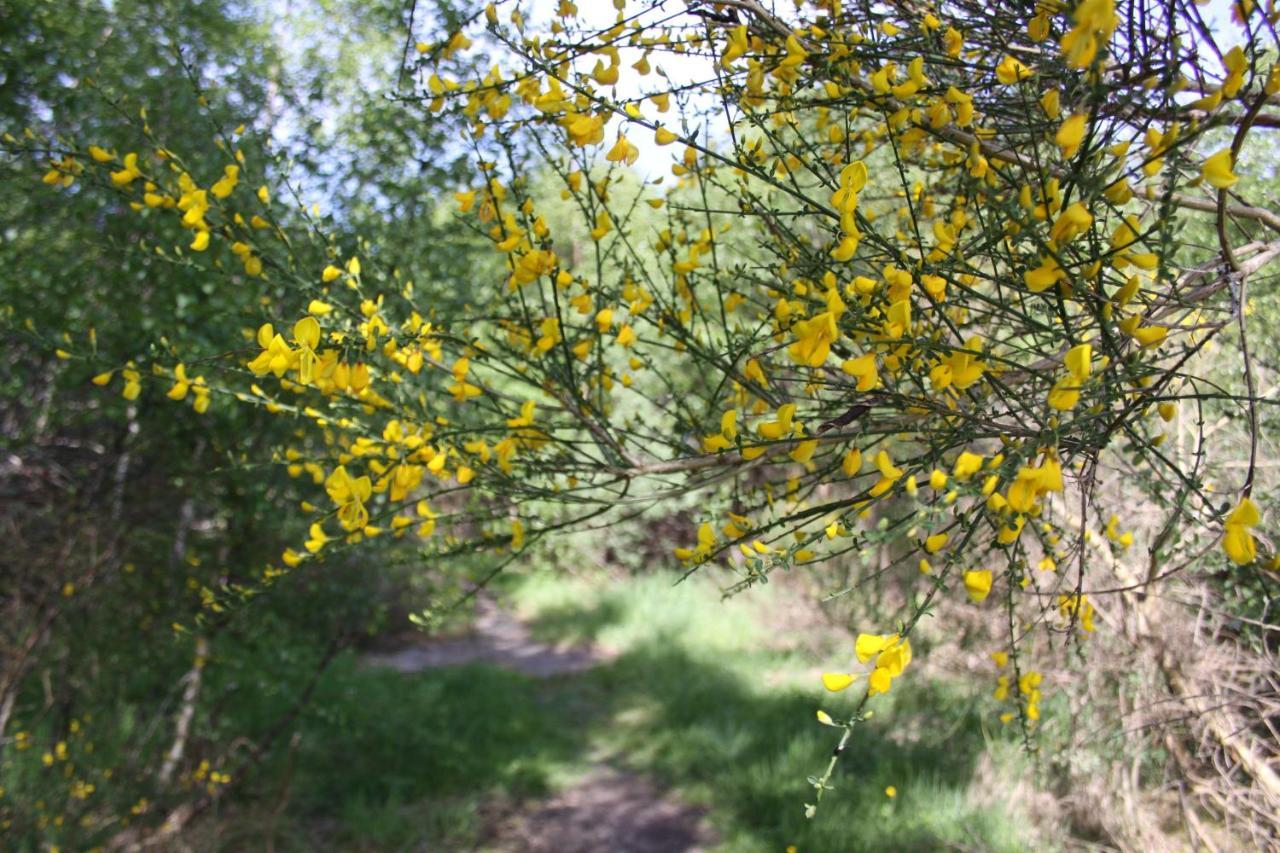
pixel 497 638
pixel 607 810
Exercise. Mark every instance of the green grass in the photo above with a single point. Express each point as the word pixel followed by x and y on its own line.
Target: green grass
pixel 385 761
pixel 714 699
pixel 711 699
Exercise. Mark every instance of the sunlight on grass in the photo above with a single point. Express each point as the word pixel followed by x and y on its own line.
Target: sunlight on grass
pixel 638 611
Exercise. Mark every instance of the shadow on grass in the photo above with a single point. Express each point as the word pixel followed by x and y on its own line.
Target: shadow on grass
pixel 577 624
pixel 441 732
pixel 387 761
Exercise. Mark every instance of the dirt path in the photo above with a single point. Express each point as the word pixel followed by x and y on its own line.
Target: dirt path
pixel 497 638
pixel 608 809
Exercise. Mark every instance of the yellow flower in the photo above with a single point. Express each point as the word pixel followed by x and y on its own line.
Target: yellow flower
pixel 622 152
pixel 870 645
pixel 316 538
pixel 306 333
pixel 1077 606
pixel 129 173
pixel 1064 395
pixel 837 681
pixel 863 368
pixel 706 544
pixel 1095 21
pixel 1071 223
pixel 813 339
pixel 781 426
pixel 1236 64
pixel 276 356
pixel 1070 134
pixel 1050 103
pixel 967 464
pixel 584 130
pixel 892 654
pixel 1044 276
pixel 1010 71
pixel 224 186
pixel 889 474
pixel 978 584
pixel 803 452
pixel 1150 336
pixel 846 248
pixel 132 384
pixel 795 53
pixel 1077 361
pixel 1031 483
pixel 1237 541
pixel 181 384
pixel 735 45
pixel 960 369
pixel 1217 170
pixel 349 495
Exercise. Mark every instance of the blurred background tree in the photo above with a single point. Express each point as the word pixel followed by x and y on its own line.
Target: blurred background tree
pixel 122 514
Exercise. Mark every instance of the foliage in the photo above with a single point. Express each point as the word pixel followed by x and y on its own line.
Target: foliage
pixel 122 514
